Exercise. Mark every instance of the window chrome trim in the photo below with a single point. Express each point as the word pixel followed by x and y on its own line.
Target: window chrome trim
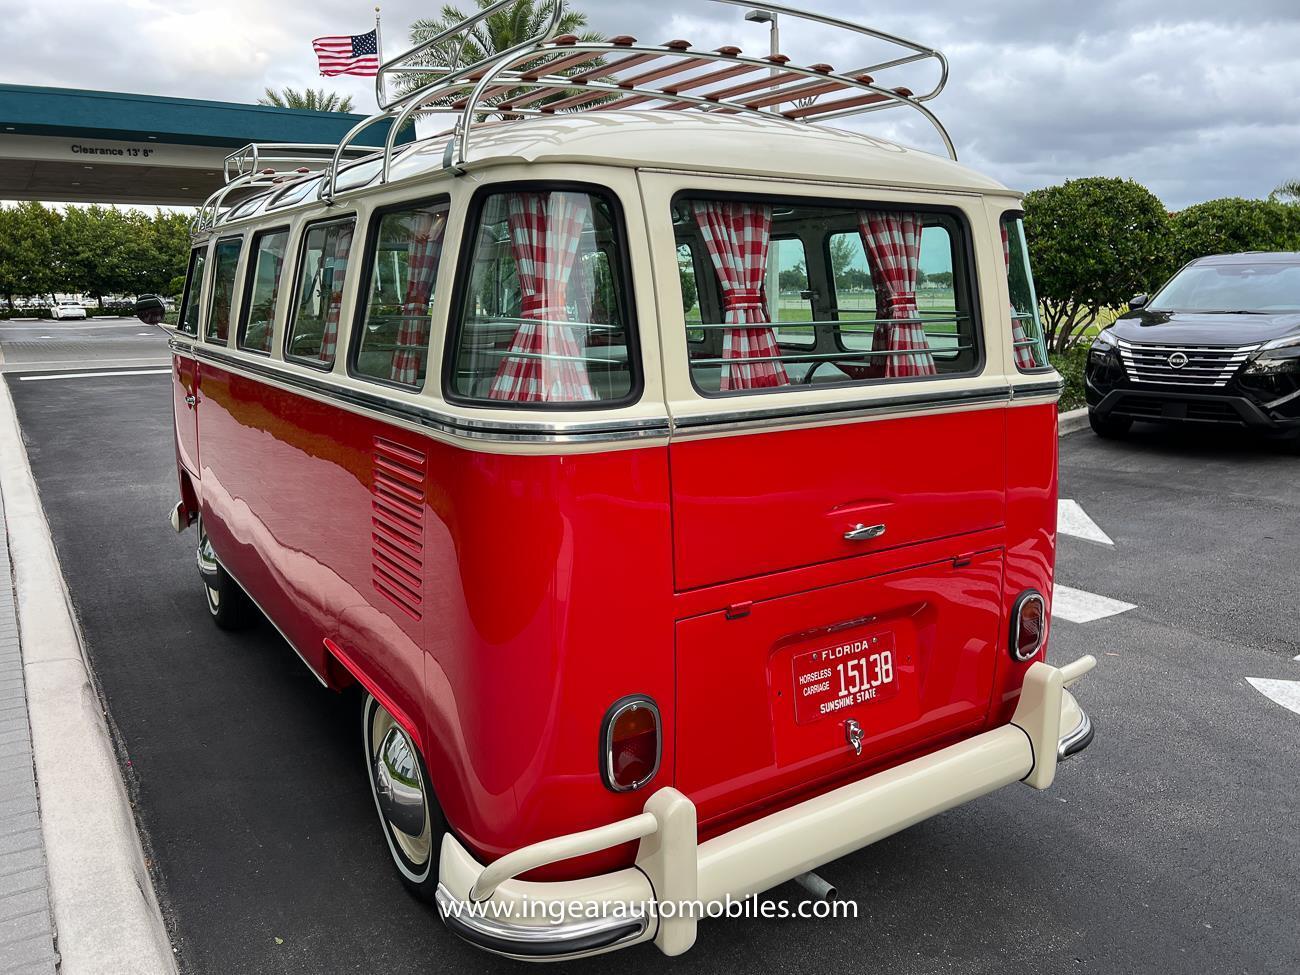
pixel 500 431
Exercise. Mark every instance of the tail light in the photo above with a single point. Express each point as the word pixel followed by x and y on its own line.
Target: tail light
pixel 1028 625
pixel 630 744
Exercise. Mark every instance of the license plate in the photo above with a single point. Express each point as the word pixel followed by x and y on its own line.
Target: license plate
pixel 837 677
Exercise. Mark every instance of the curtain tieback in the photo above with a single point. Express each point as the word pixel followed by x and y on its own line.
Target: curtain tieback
pixel 902 300
pixel 542 308
pixel 742 299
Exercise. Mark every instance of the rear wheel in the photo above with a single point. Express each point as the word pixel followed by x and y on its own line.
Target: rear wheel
pixel 408 811
pixel 1112 428
pixel 228 605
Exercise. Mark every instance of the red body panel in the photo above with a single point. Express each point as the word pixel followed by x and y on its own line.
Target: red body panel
pixel 499 603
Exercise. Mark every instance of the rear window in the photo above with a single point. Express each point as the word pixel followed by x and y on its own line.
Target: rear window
pixel 225 261
pixel 544 315
pixel 1029 349
pixel 792 294
pixel 322 269
pixel 392 343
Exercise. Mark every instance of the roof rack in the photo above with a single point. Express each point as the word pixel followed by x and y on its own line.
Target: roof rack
pixel 563 75
pixel 550 75
pixel 260 165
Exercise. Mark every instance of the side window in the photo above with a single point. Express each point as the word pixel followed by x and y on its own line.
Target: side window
pixel 262 290
pixel 392 343
pixel 688 272
pixel 545 317
pixel 225 266
pixel 188 319
pixel 887 297
pixel 789 297
pixel 1027 342
pixel 322 268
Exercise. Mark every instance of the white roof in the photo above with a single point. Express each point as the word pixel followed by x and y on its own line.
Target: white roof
pixel 712 143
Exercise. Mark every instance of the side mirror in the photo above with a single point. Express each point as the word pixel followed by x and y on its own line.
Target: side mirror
pixel 1138 301
pixel 150 309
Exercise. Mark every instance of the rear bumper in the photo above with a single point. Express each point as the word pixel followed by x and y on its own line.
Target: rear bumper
pixel 660 898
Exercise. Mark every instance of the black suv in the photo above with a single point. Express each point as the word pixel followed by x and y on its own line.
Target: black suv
pixel 1219 343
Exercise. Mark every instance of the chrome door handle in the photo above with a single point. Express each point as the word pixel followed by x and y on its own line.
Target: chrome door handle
pixel 864 533
pixel 191 400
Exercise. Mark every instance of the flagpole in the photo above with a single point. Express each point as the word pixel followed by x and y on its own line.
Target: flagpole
pixel 381 83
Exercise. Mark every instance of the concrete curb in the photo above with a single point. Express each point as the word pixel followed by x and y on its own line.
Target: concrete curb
pixel 1073 421
pixel 105 913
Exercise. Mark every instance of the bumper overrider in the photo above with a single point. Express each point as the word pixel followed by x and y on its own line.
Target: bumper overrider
pixel 529 921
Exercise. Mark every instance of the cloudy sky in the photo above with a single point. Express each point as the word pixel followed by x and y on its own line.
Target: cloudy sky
pixel 1197 99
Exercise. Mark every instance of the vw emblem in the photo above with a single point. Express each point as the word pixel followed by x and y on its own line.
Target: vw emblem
pixel 1177 360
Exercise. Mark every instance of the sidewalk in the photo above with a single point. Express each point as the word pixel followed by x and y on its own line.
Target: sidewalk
pixel 72 870
pixel 26 924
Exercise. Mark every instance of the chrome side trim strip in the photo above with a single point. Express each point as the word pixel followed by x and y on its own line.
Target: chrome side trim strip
pixel 737 419
pixel 604 431
pixel 1052 387
pixel 181 347
pixel 540 941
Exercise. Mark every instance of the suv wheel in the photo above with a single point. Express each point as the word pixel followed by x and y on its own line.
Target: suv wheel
pixel 1111 428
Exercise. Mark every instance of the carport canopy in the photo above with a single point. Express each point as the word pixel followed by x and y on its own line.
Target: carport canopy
pixel 66 145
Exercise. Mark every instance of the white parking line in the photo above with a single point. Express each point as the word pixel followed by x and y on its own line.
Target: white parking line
pixel 1078 606
pixel 1071 519
pixel 95 375
pixel 1283 692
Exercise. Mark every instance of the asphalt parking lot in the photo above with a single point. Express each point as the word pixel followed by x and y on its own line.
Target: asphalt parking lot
pixel 1170 846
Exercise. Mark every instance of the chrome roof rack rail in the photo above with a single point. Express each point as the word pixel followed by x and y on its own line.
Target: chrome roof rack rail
pixel 560 75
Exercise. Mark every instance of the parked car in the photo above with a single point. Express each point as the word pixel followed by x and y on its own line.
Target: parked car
pixel 657 589
pixel 1218 344
pixel 67 308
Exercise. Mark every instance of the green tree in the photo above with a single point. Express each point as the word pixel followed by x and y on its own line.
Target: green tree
pixel 1288 192
pixel 1094 243
pixel 793 278
pixel 1234 225
pixel 28 260
pixel 499 32
pixel 98 250
pixel 309 99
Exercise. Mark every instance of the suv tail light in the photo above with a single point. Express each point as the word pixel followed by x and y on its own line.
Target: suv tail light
pixel 1028 625
pixel 630 744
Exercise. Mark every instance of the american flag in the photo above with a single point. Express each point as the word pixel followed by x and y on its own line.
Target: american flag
pixel 354 54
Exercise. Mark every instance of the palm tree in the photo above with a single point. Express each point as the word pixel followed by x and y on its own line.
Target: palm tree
pixel 312 100
pixel 1288 192
pixel 499 32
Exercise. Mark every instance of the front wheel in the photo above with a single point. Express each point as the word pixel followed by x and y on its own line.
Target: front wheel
pixel 1111 428
pixel 409 813
pixel 228 605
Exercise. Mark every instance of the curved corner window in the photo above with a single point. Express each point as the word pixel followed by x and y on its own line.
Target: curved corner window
pixel 1028 344
pixel 791 294
pixel 262 290
pixel 392 343
pixel 544 311
pixel 187 320
pixel 225 261
pixel 322 269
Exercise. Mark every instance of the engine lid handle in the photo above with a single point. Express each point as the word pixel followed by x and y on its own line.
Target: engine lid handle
pixel 864 533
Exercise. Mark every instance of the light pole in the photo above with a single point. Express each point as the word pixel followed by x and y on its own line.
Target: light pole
pixel 767 17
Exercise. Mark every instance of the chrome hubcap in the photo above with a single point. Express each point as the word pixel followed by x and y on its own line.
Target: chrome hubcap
pixel 399 788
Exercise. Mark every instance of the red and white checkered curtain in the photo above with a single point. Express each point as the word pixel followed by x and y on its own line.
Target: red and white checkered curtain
pixel 329 339
pixel 1026 354
pixel 423 255
pixel 893 245
pixel 737 236
pixel 546 363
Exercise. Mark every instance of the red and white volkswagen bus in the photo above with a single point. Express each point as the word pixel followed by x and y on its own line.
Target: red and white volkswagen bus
pixel 674 474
